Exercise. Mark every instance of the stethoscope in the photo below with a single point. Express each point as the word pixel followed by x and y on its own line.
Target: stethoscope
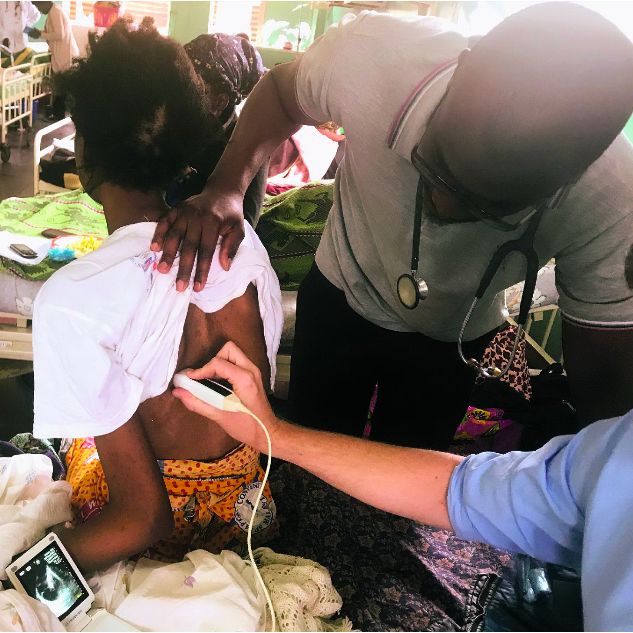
pixel 411 288
pixel 525 246
pixel 17 9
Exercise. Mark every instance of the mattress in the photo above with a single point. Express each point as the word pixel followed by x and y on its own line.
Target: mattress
pixel 19 89
pixel 17 295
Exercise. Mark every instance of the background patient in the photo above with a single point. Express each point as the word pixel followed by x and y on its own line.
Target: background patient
pixel 109 332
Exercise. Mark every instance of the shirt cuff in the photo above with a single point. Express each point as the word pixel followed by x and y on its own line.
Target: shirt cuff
pixel 457 514
pixel 615 313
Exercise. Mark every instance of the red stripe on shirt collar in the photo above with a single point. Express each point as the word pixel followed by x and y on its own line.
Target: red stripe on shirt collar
pixel 397 122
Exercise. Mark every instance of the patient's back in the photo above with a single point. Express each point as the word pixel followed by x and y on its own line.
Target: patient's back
pixel 173 430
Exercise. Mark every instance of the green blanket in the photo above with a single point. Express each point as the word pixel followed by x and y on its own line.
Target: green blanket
pixel 74 212
pixel 290 227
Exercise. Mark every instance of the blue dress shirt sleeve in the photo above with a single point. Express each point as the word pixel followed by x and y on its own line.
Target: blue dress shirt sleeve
pixel 570 503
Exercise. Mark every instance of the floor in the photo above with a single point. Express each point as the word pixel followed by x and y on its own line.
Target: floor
pixel 16 180
pixel 16 413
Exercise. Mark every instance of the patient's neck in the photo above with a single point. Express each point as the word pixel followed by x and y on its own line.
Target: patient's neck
pixel 122 206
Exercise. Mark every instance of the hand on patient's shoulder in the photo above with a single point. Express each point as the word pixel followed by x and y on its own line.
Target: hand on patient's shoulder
pixel 197 224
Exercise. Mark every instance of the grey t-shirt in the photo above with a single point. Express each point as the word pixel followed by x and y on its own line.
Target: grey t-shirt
pixel 363 74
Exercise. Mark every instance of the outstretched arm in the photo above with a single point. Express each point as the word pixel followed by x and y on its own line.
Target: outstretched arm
pixel 384 476
pixel 409 482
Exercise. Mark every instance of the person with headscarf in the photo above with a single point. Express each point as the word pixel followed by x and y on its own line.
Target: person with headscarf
pixel 230 66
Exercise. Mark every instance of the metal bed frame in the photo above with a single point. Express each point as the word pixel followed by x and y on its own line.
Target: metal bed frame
pixel 41 71
pixel 16 85
pixel 40 186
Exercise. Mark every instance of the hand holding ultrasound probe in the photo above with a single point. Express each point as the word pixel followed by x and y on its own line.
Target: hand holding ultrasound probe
pixel 245 378
pixel 211 399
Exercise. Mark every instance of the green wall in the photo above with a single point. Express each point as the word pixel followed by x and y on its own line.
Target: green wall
pixel 41 22
pixel 190 19
pixel 285 11
pixel 187 20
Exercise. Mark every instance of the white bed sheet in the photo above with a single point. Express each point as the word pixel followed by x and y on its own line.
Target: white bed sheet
pixel 40 245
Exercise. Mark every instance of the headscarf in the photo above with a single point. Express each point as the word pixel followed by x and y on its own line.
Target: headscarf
pixel 228 64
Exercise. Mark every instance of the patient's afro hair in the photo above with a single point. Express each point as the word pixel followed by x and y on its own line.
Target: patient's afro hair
pixel 139 106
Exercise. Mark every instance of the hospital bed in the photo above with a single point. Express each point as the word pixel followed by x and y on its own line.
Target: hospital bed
pixel 44 144
pixel 17 291
pixel 16 84
pixel 41 71
pixel 76 213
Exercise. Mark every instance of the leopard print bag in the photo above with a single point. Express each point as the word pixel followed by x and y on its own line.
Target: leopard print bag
pixel 498 353
pixel 489 422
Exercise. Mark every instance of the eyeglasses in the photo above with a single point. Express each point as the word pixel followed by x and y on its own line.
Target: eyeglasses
pixel 435 181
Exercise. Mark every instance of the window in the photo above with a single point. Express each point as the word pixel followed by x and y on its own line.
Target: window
pixel 283 25
pixel 289 25
pixel 237 17
pixel 82 12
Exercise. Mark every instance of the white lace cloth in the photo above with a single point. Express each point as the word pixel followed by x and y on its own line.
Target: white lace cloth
pixel 301 592
pixel 207 592
pixel 29 504
pixel 22 613
pixel 204 592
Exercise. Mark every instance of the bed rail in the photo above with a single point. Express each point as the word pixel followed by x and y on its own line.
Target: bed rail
pixel 15 100
pixel 40 186
pixel 41 71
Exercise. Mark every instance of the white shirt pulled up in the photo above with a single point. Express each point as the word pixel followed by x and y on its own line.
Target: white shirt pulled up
pixel 107 328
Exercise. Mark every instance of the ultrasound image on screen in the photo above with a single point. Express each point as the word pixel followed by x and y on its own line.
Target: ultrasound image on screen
pixel 49 578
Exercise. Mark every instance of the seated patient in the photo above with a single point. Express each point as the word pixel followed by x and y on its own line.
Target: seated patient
pixel 110 331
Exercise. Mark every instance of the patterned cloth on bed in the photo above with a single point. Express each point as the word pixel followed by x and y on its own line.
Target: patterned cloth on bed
pixel 17 59
pixel 290 227
pixel 74 212
pixel 392 573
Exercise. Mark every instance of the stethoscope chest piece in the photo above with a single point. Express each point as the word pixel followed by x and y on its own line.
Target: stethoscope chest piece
pixel 411 290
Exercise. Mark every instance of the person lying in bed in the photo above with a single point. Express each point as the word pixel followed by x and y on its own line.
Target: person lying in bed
pixel 109 332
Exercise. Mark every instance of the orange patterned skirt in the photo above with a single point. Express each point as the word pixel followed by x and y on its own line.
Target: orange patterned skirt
pixel 212 501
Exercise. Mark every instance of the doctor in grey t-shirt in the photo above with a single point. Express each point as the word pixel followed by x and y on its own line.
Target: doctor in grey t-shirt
pixel 538 103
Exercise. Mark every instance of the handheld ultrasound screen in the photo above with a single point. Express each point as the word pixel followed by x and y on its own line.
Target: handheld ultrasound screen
pixel 49 578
